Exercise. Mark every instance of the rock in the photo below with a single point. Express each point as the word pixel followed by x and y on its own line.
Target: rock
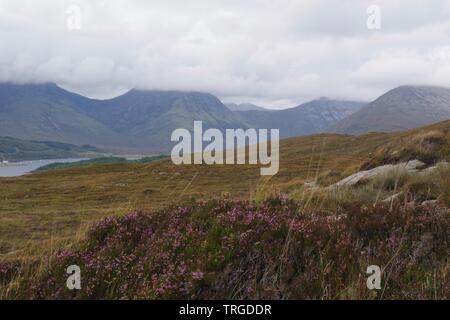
pixel 414 164
pixel 410 166
pixel 429 203
pixel 430 170
pixel 363 175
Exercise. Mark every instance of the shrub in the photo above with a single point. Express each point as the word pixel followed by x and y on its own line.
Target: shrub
pixel 226 249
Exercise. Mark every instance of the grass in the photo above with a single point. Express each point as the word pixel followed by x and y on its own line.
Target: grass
pixel 54 205
pixel 98 161
pixel 403 186
pixel 430 145
pixel 42 212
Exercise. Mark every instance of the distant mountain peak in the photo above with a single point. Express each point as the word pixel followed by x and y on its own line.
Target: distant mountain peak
pixel 405 89
pixel 161 91
pixel 418 87
pixel 404 107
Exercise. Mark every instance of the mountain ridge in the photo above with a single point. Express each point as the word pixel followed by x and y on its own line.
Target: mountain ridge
pixel 308 118
pixel 138 120
pixel 143 120
pixel 244 107
pixel 402 108
pixel 48 112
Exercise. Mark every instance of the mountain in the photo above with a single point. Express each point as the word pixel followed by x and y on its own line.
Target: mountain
pixel 48 112
pixel 244 107
pixel 402 108
pixel 136 121
pixel 308 118
pixel 148 118
pixel 12 149
pixel 143 121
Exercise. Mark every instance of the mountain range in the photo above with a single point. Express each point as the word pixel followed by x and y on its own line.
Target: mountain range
pixel 402 108
pixel 142 121
pixel 312 117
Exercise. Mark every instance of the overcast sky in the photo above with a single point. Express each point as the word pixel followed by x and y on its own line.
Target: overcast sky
pixel 274 53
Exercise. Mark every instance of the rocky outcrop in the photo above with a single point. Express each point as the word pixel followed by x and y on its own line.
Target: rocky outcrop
pixel 410 166
pixel 429 203
pixel 430 170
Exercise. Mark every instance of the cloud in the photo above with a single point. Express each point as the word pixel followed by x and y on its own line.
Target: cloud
pixel 277 53
pixel 406 66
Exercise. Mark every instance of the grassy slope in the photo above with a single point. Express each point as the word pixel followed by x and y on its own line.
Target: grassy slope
pixel 98 161
pixel 12 149
pixel 41 210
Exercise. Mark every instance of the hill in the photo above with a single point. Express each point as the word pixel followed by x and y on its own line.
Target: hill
pixel 199 231
pixel 64 202
pixel 97 161
pixel 400 109
pixel 12 149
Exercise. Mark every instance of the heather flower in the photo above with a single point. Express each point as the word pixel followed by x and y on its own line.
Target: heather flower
pixel 197 275
pixel 249 250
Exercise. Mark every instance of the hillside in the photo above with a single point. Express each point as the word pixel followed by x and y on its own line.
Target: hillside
pixel 400 109
pixel 200 232
pixel 148 118
pixel 97 161
pixel 12 149
pixel 308 118
pixel 48 113
pixel 64 202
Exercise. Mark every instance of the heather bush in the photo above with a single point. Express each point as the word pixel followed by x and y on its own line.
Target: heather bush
pixel 243 250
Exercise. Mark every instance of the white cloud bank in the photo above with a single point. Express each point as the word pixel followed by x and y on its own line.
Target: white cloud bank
pixel 276 53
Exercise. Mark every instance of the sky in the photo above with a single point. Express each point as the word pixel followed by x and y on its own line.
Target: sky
pixel 272 53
